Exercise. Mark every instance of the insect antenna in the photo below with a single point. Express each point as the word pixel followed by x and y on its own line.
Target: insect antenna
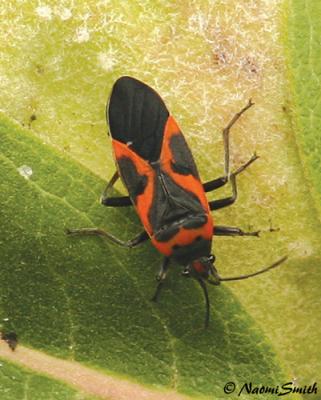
pixel 207 301
pixel 260 271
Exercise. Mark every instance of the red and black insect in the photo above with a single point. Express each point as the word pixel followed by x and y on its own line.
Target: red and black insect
pixel 157 167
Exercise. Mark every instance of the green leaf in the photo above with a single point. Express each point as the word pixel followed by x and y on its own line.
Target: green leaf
pixel 206 59
pixel 85 299
pixel 20 383
pixel 304 66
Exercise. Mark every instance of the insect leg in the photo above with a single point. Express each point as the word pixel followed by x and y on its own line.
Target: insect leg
pixel 137 240
pixel 220 230
pixel 219 182
pixel 226 132
pixel 227 201
pixel 114 201
pixel 217 204
pixel 160 277
pixel 207 301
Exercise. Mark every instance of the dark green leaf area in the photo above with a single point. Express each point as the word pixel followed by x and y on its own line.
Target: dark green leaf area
pixel 85 299
pixel 19 383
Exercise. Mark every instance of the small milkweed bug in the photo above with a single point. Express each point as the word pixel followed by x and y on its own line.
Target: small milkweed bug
pixel 157 167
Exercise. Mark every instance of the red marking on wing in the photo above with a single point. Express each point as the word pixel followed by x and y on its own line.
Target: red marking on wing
pixel 187 182
pixel 144 200
pixel 184 238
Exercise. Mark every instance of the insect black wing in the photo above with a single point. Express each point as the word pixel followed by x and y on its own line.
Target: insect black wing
pixel 138 115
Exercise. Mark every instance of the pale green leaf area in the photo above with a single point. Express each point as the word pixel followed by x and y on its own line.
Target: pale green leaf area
pixel 304 59
pixel 206 59
pixel 19 383
pixel 90 301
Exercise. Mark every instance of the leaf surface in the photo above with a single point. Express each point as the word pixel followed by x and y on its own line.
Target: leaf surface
pixel 206 59
pixel 84 299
